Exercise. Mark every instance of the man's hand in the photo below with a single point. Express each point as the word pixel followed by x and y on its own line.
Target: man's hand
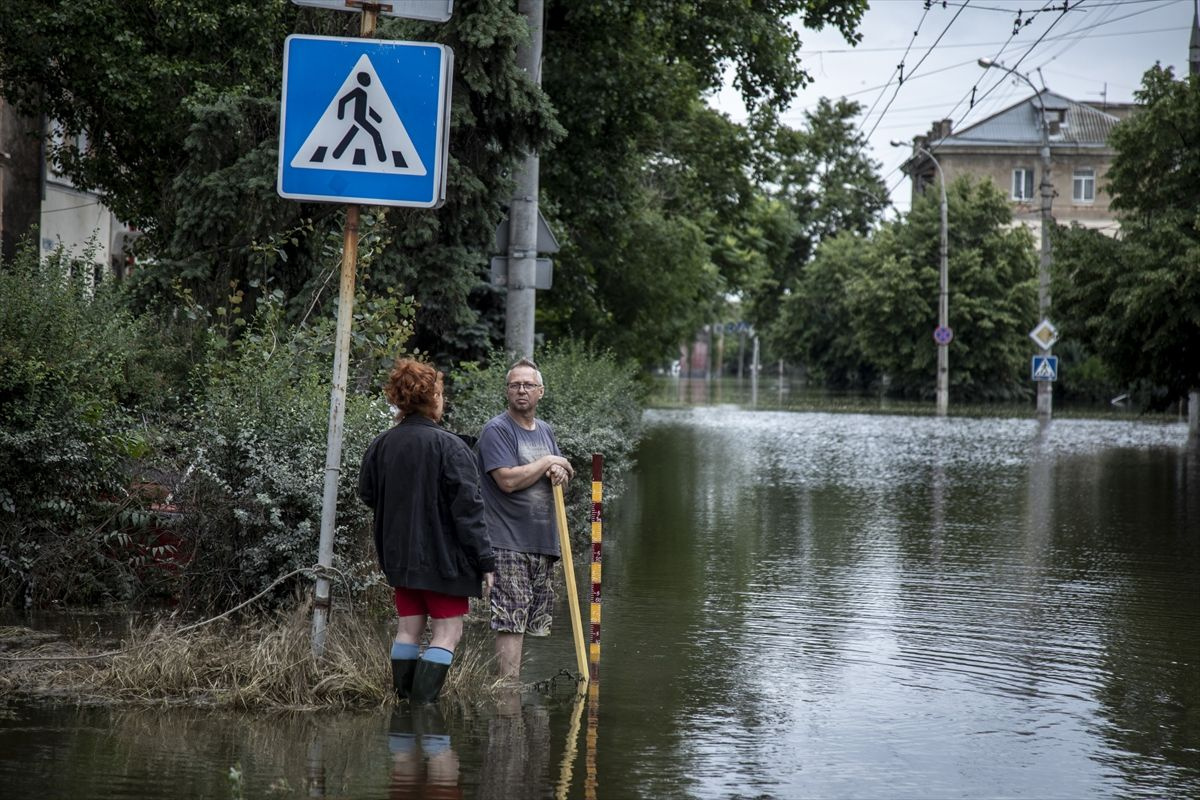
pixel 489 580
pixel 560 471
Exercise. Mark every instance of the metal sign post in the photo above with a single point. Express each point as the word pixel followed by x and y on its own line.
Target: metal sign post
pixel 360 122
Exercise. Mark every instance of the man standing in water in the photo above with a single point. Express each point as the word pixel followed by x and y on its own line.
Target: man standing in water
pixel 520 461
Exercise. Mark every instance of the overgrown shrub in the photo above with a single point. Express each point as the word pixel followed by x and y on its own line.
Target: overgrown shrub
pixel 251 482
pixel 66 439
pixel 594 402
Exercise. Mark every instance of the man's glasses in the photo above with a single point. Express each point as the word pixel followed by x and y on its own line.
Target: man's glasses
pixel 529 387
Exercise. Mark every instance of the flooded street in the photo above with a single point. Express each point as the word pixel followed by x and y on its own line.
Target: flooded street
pixel 794 605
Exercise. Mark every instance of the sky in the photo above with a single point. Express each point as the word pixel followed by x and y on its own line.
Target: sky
pixel 1098 49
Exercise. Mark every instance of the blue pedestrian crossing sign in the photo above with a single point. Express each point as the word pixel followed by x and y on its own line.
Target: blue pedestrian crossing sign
pixel 364 121
pixel 1045 368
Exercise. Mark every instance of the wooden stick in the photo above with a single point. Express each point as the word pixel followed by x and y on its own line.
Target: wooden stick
pixel 564 541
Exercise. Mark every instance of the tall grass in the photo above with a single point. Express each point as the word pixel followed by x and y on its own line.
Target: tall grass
pixel 257 663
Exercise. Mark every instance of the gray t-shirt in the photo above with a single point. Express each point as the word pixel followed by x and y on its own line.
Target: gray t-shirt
pixel 523 520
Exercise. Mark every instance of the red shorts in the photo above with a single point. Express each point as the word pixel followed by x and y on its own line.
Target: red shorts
pixel 417 602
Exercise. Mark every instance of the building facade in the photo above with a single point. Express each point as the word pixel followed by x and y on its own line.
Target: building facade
pixel 1006 149
pixel 37 200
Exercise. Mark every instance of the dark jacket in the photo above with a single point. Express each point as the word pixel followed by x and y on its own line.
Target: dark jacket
pixel 423 484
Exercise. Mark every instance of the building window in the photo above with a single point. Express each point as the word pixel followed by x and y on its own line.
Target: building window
pixel 1022 184
pixel 1083 185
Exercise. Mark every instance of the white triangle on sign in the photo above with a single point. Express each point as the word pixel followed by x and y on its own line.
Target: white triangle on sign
pixel 1044 370
pixel 360 131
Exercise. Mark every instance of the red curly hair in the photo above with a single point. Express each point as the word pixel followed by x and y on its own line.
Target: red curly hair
pixel 414 388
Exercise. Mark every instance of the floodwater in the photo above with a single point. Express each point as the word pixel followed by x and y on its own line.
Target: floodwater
pixel 794 605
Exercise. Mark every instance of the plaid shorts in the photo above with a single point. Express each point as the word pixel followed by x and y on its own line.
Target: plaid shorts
pixel 522 598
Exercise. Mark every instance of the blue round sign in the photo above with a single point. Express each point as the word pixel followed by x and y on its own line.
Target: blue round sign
pixel 943 335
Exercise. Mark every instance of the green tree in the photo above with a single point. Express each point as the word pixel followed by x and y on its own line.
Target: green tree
pixel 820 173
pixel 627 80
pixel 183 144
pixel 1136 300
pixel 867 307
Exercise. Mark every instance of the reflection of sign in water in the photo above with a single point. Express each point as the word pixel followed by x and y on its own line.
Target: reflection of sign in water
pixel 364 121
pixel 1045 368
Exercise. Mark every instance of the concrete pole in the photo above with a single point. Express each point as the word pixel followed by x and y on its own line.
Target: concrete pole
pixel 943 352
pixel 521 300
pixel 1194 415
pixel 741 353
pixel 1045 389
pixel 754 374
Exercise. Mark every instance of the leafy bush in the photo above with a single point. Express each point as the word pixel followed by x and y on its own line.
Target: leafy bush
pixel 65 438
pixel 251 486
pixel 593 401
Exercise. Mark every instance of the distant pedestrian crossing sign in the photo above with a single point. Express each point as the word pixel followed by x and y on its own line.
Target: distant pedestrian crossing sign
pixel 1045 368
pixel 364 121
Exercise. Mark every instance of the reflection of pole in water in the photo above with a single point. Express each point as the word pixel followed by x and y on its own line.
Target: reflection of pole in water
pixel 314 777
pixel 1039 512
pixel 593 727
pixel 939 511
pixel 567 769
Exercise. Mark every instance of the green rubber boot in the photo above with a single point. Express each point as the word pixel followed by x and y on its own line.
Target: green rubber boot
pixel 427 681
pixel 403 670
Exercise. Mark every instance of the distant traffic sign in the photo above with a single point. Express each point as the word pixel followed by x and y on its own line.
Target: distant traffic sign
pixel 1045 334
pixel 1045 368
pixel 364 121
pixel 943 335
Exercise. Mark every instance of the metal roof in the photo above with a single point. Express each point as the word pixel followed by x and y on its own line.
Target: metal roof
pixel 1019 125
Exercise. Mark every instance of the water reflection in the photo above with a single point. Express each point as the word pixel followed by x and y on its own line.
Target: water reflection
pixel 796 604
pixel 880 607
pixel 424 763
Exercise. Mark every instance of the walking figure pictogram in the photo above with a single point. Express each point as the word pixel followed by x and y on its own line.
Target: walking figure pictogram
pixel 358 96
pixel 360 130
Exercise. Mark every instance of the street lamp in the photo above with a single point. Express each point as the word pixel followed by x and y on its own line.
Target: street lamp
pixel 942 334
pixel 1045 395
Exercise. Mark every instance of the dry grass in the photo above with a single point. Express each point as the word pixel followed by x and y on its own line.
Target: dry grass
pixel 260 663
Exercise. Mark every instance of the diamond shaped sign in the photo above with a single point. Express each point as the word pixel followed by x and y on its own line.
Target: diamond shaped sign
pixel 1045 334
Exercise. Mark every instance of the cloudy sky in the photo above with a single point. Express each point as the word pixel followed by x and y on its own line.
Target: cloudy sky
pixel 1097 49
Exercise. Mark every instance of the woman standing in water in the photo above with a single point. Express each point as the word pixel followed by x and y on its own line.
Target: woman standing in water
pixel 422 482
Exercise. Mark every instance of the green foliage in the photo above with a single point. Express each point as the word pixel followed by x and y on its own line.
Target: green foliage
pixel 66 439
pixel 1136 300
pixel 826 186
pixel 593 400
pixel 644 156
pixel 252 465
pixel 865 308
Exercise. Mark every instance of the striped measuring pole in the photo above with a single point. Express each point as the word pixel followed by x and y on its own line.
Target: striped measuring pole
pixel 597 540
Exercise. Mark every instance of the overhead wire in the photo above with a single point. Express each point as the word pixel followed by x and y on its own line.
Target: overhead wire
pixel 932 47
pixel 898 70
pixel 932 146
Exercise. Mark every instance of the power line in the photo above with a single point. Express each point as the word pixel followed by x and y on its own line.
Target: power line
pixel 849 51
pixel 932 146
pixel 899 69
pixel 917 67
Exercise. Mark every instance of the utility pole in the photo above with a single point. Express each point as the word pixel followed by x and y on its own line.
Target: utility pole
pixel 1045 389
pixel 520 304
pixel 942 334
